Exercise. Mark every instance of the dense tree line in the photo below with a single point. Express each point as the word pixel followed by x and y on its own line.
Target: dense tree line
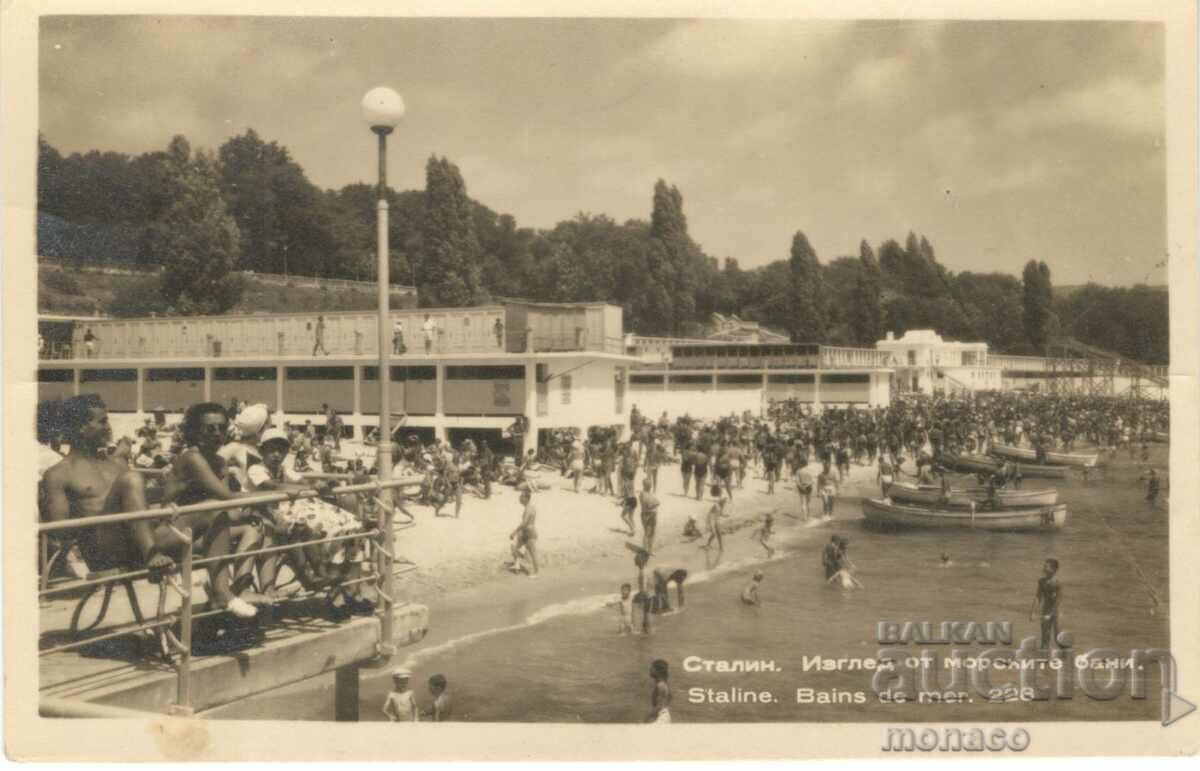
pixel 250 206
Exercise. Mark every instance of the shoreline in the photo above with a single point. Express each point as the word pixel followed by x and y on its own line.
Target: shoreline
pixel 582 558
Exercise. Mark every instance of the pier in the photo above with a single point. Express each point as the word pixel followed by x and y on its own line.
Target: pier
pixel 143 649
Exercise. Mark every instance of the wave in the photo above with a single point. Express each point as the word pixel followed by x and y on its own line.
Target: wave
pixel 584 606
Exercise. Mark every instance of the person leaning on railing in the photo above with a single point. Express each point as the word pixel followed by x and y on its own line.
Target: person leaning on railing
pixel 197 475
pixel 86 484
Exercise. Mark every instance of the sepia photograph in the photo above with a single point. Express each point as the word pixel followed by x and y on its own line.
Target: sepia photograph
pixel 604 371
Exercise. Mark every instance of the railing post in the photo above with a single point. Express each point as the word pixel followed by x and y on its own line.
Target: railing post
pixel 183 687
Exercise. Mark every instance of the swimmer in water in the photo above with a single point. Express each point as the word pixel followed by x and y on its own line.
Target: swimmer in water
pixel 624 606
pixel 843 566
pixel 846 579
pixel 946 561
pixel 750 593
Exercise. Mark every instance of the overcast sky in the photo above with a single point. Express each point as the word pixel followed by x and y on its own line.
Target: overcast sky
pixel 1000 142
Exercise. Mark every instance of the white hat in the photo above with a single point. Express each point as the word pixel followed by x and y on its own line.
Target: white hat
pixel 274 434
pixel 401 672
pixel 251 420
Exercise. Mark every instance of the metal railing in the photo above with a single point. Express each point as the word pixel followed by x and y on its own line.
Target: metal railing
pixel 833 357
pixel 380 556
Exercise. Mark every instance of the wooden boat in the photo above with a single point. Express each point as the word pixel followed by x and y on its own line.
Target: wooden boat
pixel 885 513
pixel 1052 458
pixel 983 464
pixel 931 495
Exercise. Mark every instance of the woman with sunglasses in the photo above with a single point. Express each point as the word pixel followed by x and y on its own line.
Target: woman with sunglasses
pixel 197 475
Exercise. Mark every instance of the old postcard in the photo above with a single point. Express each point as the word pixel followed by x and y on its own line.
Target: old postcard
pixel 584 378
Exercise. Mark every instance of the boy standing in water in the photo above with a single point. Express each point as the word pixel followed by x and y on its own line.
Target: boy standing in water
pixel 441 700
pixel 401 704
pixel 1046 604
pixel 624 606
pixel 660 697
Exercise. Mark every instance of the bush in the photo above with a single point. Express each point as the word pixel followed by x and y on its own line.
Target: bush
pixel 61 281
pixel 142 296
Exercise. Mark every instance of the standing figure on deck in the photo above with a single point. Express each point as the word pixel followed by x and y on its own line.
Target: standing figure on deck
pixel 428 330
pixel 319 337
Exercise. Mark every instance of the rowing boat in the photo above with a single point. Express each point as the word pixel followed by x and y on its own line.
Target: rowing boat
pixel 931 495
pixel 983 464
pixel 885 513
pixel 1052 458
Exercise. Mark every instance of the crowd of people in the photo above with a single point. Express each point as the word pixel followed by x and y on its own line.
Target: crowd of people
pixel 226 452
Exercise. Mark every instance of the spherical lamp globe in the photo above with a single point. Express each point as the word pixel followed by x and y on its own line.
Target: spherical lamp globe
pixel 382 108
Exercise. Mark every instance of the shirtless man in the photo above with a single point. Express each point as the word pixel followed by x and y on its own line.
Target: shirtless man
pixel 525 535
pixel 1045 604
pixel 87 484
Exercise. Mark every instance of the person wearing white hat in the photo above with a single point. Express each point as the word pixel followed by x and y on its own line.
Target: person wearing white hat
pixel 401 704
pixel 239 455
pixel 296 520
pixel 242 452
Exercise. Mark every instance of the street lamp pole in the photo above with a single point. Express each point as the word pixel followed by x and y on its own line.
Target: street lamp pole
pixel 383 108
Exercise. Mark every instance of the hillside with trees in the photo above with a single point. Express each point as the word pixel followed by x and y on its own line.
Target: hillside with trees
pixel 193 220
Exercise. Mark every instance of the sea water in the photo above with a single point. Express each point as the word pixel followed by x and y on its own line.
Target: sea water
pixel 566 663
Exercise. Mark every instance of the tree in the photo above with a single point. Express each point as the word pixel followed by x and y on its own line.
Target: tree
pixel 678 263
pixel 196 237
pixel 1037 304
pixel 807 315
pixel 866 320
pixel 285 225
pixel 448 267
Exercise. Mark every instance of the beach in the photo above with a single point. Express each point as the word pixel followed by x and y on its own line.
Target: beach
pixel 546 649
pixel 459 569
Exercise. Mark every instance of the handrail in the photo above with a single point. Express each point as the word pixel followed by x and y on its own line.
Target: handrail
pixel 382 557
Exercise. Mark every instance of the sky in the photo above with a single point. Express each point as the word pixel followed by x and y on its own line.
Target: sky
pixel 1000 142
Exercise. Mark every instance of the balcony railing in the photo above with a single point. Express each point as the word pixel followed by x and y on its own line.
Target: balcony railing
pixel 346 345
pixel 836 357
pixel 377 539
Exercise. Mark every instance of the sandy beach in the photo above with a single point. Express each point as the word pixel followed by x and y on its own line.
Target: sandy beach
pixel 458 563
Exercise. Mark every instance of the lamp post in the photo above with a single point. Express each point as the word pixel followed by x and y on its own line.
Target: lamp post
pixel 383 108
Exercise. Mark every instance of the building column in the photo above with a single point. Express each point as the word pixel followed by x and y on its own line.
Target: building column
pixel 764 401
pixel 208 378
pixel 440 389
pixel 345 694
pixel 531 416
pixel 141 377
pixel 439 410
pixel 75 380
pixel 357 415
pixel 280 373
pixel 817 390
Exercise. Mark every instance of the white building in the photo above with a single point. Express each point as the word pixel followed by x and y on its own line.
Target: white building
pixel 926 363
